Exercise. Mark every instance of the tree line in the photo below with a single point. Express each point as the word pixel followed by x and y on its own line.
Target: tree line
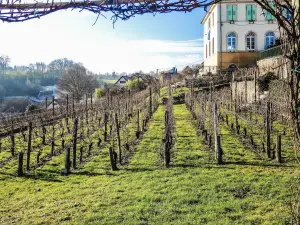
pixel 27 80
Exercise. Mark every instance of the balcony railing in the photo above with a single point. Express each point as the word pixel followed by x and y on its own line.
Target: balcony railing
pixel 271 52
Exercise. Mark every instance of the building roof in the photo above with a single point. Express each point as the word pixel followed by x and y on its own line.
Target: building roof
pixel 208 13
pixel 125 78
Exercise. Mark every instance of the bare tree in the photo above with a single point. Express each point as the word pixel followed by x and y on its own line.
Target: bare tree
pixel 77 82
pixel 4 62
pixel 59 65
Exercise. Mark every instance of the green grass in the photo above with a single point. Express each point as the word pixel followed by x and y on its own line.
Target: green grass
pixel 108 81
pixel 194 190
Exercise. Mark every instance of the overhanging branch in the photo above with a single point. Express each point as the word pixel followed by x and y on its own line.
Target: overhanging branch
pixel 16 11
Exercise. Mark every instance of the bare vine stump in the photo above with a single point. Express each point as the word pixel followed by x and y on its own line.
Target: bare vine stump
pixel 219 151
pixel 127 147
pixel 232 126
pixel 67 162
pixel 81 154
pixel 75 126
pixel 52 147
pixel 238 129
pixel 12 139
pixel 278 149
pixel 137 134
pixel 29 145
pixel 245 132
pixel 251 140
pixel 20 164
pixel 118 137
pixel 227 122
pixel 263 147
pixel 99 142
pixel 268 123
pixel 105 126
pixel 110 130
pixel 205 135
pixel 210 141
pixel 38 157
pixel 90 148
pixel 63 144
pixel 113 158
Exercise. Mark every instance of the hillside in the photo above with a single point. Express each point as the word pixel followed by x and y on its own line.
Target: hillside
pixel 194 190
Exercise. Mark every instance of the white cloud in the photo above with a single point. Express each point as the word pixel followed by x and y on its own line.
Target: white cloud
pixel 97 47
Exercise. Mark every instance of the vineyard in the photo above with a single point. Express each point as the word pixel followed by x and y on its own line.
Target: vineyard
pixel 145 158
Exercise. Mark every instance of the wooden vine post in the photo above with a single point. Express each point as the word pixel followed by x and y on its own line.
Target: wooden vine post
pixel 150 102
pixel 168 140
pixel 138 131
pixel 73 106
pixel 113 158
pixel 105 125
pixel 268 129
pixel 67 162
pixel 12 139
pixel 278 149
pixel 67 111
pixel 20 164
pixel 86 110
pixel 218 149
pixel 75 126
pixel 118 137
pixel 29 145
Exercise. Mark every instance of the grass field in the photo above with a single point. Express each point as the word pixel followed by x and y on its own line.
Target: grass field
pixel 194 190
pixel 108 81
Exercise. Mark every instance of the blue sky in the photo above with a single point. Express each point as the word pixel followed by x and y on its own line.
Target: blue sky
pixel 140 43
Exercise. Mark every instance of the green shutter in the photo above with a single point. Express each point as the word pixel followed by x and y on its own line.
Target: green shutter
pixel 253 12
pixel 229 12
pixel 234 12
pixel 269 16
pixel 249 12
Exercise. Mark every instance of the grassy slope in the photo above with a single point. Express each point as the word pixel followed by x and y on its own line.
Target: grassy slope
pixel 193 191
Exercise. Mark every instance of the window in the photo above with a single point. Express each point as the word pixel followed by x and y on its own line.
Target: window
pixel 209 49
pixel 269 16
pixel 206 51
pixel 122 81
pixel 287 13
pixel 231 12
pixel 213 46
pixel 251 12
pixel 209 23
pixel 213 19
pixel 231 42
pixel 250 40
pixel 270 39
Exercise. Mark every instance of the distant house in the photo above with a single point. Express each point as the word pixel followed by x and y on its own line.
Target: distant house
pixel 121 82
pixel 45 94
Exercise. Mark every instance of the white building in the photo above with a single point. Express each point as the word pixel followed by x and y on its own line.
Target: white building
pixel 246 29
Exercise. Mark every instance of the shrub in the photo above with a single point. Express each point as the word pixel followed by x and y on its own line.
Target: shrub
pixel 136 84
pixel 15 105
pixel 100 92
pixel 31 108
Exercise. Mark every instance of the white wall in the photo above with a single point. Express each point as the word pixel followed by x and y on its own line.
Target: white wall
pixel 213 34
pixel 241 27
